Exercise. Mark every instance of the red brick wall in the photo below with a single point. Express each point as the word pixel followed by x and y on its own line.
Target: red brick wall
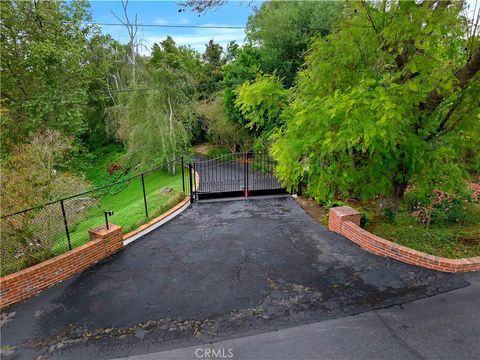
pixel 28 282
pixel 345 221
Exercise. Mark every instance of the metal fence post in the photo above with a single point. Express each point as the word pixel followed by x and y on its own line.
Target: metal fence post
pixel 144 196
pixel 66 224
pixel 183 177
pixel 191 182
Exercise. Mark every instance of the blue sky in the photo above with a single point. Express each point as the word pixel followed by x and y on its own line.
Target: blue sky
pixel 234 13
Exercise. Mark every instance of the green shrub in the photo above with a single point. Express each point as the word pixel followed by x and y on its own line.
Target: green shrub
pixel 220 131
pixel 217 152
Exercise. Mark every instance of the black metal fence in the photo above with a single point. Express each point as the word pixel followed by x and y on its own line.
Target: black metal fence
pixel 41 232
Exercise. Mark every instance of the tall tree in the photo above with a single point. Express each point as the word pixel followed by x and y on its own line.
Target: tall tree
pixel 44 69
pixel 388 98
pixel 213 62
pixel 155 121
pixel 247 64
pixel 284 30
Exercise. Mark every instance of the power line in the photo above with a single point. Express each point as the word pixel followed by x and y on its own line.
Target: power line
pixel 140 24
pixel 175 26
pixel 235 27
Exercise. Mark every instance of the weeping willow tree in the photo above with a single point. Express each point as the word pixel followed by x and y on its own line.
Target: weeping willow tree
pixel 154 121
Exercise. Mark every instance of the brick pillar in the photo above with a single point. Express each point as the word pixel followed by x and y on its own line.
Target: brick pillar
pixel 112 237
pixel 340 214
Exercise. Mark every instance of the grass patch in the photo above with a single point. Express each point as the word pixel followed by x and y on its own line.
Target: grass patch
pixel 461 240
pixel 127 202
pixel 95 164
pixel 454 241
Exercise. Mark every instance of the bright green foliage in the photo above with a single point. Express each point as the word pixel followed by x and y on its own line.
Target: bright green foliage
pixel 102 57
pixel 284 30
pixel 154 124
pixel 262 102
pixel 45 69
pixel 278 36
pixel 390 96
pixel 247 63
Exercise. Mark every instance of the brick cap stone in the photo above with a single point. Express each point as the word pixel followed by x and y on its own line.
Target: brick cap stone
pixel 102 231
pixel 341 211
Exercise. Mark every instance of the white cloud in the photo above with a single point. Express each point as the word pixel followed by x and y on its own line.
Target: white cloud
pixel 163 21
pixel 160 21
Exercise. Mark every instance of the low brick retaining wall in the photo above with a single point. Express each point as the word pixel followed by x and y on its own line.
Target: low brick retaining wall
pixel 30 281
pixel 345 221
pixel 103 243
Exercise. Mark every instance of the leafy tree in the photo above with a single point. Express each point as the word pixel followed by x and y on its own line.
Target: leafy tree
pixel 262 112
pixel 232 52
pixel 156 120
pixel 213 62
pixel 278 36
pixel 34 173
pixel 45 79
pixel 284 29
pixel 102 56
pixel 181 58
pixel 386 99
pixel 247 63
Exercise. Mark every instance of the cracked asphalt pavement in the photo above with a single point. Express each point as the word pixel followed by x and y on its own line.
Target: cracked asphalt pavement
pixel 219 270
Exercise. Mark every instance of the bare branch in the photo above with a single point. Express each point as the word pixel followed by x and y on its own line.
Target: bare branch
pixel 201 6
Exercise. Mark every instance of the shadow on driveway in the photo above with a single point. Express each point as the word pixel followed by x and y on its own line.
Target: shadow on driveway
pixel 218 270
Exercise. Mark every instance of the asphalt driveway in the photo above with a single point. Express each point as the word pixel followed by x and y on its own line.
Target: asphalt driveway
pixel 219 270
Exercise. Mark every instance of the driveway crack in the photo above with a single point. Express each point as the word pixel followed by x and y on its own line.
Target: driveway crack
pixel 398 339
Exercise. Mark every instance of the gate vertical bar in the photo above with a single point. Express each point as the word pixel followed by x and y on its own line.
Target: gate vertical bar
pixel 265 174
pixel 183 176
pixel 246 172
pixel 145 196
pixel 195 185
pixel 66 224
pixel 191 182
pixel 244 175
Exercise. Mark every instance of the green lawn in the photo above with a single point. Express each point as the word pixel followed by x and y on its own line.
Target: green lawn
pixel 126 199
pixel 128 207
pixel 95 164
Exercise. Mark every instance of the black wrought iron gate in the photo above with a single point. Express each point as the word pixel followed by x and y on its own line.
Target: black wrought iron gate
pixel 239 174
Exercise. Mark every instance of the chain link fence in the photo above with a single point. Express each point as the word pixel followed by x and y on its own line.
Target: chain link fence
pixel 37 234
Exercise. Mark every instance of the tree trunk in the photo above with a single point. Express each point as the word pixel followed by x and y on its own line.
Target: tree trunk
pixel 392 202
pixel 172 133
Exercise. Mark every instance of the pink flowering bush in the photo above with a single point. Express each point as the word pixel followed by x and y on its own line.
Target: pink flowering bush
pixel 475 187
pixel 440 207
